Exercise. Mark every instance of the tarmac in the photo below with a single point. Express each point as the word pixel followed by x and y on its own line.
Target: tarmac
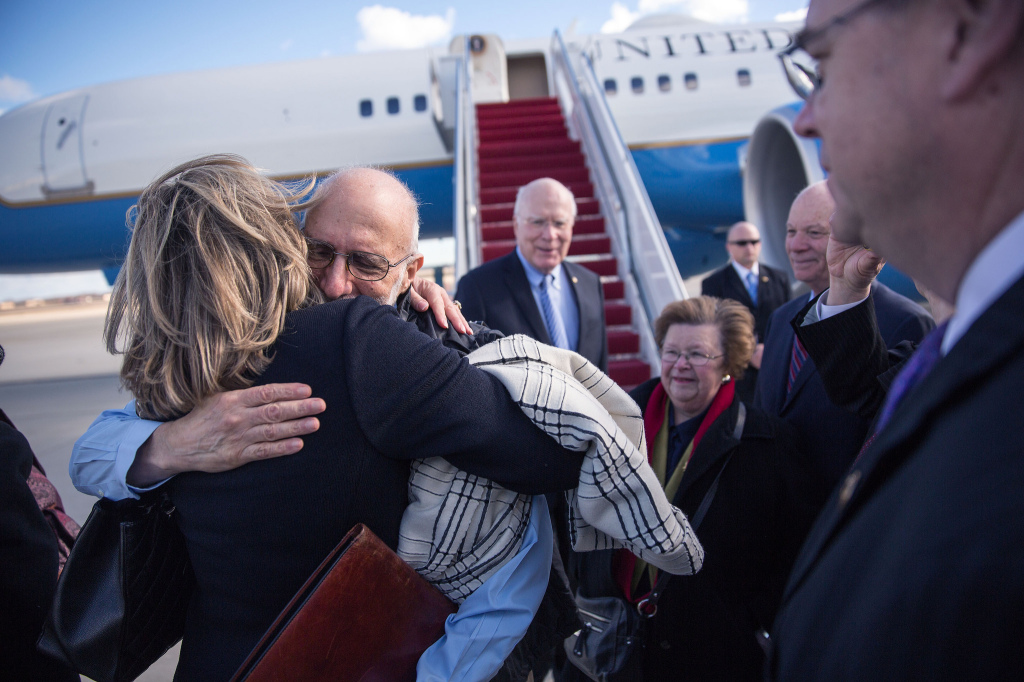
pixel 55 380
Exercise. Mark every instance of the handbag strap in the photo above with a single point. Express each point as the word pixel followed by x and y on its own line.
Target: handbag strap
pixel 649 606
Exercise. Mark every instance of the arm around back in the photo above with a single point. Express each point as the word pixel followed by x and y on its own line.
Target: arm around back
pixel 414 399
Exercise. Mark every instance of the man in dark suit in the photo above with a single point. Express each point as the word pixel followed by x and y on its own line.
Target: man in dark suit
pixel 761 288
pixel 915 568
pixel 534 290
pixel 789 386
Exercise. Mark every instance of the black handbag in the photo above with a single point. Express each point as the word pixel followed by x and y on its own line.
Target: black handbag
pixel 121 600
pixel 612 636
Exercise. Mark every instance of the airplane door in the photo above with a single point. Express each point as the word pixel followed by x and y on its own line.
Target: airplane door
pixel 490 70
pixel 63 158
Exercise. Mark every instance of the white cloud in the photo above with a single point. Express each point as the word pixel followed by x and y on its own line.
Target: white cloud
pixel 287 45
pixel 14 89
pixel 795 15
pixel 622 17
pixel 389 28
pixel 715 11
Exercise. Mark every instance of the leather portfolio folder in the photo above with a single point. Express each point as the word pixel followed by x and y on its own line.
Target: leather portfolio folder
pixel 364 615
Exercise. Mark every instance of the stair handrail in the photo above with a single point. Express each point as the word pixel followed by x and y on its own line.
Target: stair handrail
pixel 646 265
pixel 466 214
pixel 653 264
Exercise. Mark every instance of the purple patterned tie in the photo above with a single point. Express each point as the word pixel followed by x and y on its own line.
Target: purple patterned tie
pixel 796 362
pixel 916 369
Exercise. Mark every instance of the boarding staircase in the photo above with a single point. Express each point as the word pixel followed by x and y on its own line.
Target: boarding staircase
pixel 521 141
pixel 572 138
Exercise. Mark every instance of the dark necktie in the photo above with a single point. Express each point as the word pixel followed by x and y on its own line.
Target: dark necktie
pixel 916 369
pixel 796 362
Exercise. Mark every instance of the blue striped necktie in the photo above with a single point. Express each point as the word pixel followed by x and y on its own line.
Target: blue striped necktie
pixel 552 318
pixel 752 286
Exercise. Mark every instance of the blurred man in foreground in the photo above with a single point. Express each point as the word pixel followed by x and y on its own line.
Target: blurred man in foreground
pixel 915 569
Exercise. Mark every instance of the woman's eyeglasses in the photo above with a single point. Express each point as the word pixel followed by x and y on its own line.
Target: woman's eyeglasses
pixel 369 267
pixel 693 358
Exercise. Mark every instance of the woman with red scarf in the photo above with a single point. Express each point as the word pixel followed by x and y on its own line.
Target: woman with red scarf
pixel 711 626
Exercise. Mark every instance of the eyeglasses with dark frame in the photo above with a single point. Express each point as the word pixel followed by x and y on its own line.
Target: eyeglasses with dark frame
pixel 369 267
pixel 803 79
pixel 745 242
pixel 693 358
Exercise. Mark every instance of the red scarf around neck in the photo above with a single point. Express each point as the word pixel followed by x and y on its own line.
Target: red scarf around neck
pixel 624 561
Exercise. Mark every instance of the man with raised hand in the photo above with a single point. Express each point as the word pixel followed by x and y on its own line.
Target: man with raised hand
pixel 789 385
pixel 915 568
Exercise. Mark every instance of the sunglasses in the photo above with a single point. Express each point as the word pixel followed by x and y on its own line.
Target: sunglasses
pixel 369 267
pixel 746 242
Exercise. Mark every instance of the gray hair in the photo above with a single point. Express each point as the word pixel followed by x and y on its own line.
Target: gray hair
pixel 522 192
pixel 326 184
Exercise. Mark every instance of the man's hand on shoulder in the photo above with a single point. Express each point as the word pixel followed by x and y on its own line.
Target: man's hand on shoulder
pixel 424 294
pixel 851 268
pixel 228 430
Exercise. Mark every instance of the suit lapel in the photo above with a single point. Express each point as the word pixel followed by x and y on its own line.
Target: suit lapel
pixel 591 320
pixel 994 336
pixel 519 288
pixel 738 286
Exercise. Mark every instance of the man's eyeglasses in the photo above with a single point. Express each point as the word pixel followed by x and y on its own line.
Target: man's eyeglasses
pixel 693 358
pixel 745 242
pixel 541 223
pixel 800 68
pixel 369 267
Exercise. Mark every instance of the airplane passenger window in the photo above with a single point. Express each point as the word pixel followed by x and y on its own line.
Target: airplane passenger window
pixel 664 83
pixel 743 76
pixel 392 105
pixel 637 84
pixel 365 108
pixel 690 79
pixel 610 87
pixel 419 102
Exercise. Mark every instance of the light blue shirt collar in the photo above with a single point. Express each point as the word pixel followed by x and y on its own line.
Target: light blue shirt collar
pixel 535 276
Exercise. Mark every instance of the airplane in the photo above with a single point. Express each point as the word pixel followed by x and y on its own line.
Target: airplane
pixel 685 95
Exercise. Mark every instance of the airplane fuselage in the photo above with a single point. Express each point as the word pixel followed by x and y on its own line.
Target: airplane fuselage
pixel 685 97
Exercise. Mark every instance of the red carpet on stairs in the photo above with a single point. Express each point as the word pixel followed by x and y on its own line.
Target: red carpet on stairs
pixel 521 141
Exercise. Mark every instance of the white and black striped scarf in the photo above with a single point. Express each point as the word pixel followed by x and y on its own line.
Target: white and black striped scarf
pixel 460 528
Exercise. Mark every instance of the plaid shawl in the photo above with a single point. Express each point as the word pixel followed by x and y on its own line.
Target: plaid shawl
pixel 459 528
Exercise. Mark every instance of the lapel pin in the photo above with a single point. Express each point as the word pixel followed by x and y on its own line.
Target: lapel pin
pixel 575 281
pixel 849 485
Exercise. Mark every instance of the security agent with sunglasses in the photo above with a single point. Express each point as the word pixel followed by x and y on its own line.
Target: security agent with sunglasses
pixel 915 568
pixel 760 288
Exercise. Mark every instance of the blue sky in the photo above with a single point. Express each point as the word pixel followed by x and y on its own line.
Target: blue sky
pixel 49 46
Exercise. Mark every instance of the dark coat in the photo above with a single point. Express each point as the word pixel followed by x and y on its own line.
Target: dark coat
pixel 772 291
pixel 28 566
pixel 915 568
pixel 498 294
pixel 256 533
pixel 704 628
pixel 830 435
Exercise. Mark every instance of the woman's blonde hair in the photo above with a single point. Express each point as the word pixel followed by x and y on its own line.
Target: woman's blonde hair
pixel 734 322
pixel 216 261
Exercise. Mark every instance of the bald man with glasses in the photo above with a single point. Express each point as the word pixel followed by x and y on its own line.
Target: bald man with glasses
pixel 915 567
